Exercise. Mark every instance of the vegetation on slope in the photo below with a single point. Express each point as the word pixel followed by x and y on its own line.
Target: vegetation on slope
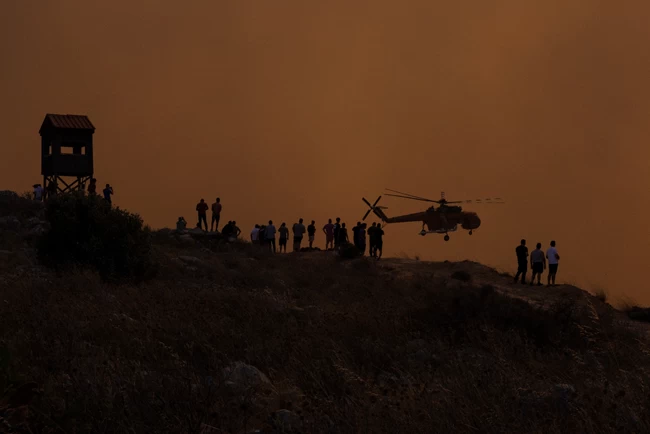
pixel 227 338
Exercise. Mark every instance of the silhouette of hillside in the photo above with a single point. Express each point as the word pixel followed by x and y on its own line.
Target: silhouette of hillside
pixel 225 338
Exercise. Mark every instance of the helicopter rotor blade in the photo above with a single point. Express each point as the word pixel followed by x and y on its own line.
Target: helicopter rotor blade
pixel 496 200
pixel 408 194
pixel 412 198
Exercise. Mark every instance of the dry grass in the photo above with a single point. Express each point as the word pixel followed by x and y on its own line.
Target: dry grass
pixel 348 347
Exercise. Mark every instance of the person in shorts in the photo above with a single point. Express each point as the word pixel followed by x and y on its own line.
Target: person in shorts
pixel 328 229
pixel 311 232
pixel 537 264
pixel 553 261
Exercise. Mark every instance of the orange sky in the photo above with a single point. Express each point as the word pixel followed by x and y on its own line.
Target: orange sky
pixel 291 109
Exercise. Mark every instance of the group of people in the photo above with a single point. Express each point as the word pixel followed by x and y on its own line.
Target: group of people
pixel 374 235
pixel 40 193
pixel 538 261
pixel 264 235
pixel 202 210
pixel 336 235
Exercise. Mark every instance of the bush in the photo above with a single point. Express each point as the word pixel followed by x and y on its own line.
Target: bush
pixel 85 230
pixel 349 251
pixel 461 275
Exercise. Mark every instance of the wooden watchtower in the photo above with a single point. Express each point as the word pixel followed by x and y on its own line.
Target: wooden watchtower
pixel 66 151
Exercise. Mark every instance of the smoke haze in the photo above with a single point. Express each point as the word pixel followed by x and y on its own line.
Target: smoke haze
pixel 291 109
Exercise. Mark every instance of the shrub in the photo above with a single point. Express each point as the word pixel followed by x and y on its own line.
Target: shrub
pixel 348 251
pixel 461 275
pixel 85 230
pixel 22 207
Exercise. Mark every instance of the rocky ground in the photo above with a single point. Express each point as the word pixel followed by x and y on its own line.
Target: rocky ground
pixel 227 338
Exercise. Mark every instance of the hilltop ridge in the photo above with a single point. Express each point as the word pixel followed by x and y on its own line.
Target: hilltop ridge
pixel 229 338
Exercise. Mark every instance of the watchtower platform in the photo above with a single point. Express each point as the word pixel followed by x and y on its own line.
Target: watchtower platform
pixel 66 151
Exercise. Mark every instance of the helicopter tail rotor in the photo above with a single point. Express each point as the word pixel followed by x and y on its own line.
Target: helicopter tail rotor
pixel 378 210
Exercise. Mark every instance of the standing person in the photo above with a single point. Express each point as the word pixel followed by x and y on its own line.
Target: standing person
pixel 522 261
pixel 201 209
pixel 298 233
pixel 216 215
pixel 379 240
pixel 262 236
pixel 355 235
pixel 108 192
pixel 553 261
pixel 328 229
pixel 537 264
pixel 92 187
pixel 311 232
pixel 371 239
pixel 337 230
pixel 38 192
pixel 269 234
pixel 284 237
pixel 255 233
pixel 361 234
pixel 52 188
pixel 343 235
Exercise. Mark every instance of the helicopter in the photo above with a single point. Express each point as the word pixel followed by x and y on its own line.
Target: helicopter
pixel 441 220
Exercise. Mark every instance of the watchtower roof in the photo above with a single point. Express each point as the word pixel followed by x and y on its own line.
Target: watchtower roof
pixel 69 122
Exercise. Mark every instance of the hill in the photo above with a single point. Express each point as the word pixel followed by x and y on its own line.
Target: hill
pixel 226 338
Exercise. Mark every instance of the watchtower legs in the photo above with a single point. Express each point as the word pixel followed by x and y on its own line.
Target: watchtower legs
pixel 62 186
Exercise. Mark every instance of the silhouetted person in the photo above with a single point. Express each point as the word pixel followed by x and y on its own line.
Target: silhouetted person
pixel 311 232
pixel 372 239
pixel 553 261
pixel 52 188
pixel 522 261
pixel 92 187
pixel 537 264
pixel 343 235
pixel 38 192
pixel 284 236
pixel 108 192
pixel 298 233
pixel 355 235
pixel 379 241
pixel 226 230
pixel 328 229
pixel 270 236
pixel 337 232
pixel 255 235
pixel 216 215
pixel 362 238
pixel 262 236
pixel 181 225
pixel 235 232
pixel 201 209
